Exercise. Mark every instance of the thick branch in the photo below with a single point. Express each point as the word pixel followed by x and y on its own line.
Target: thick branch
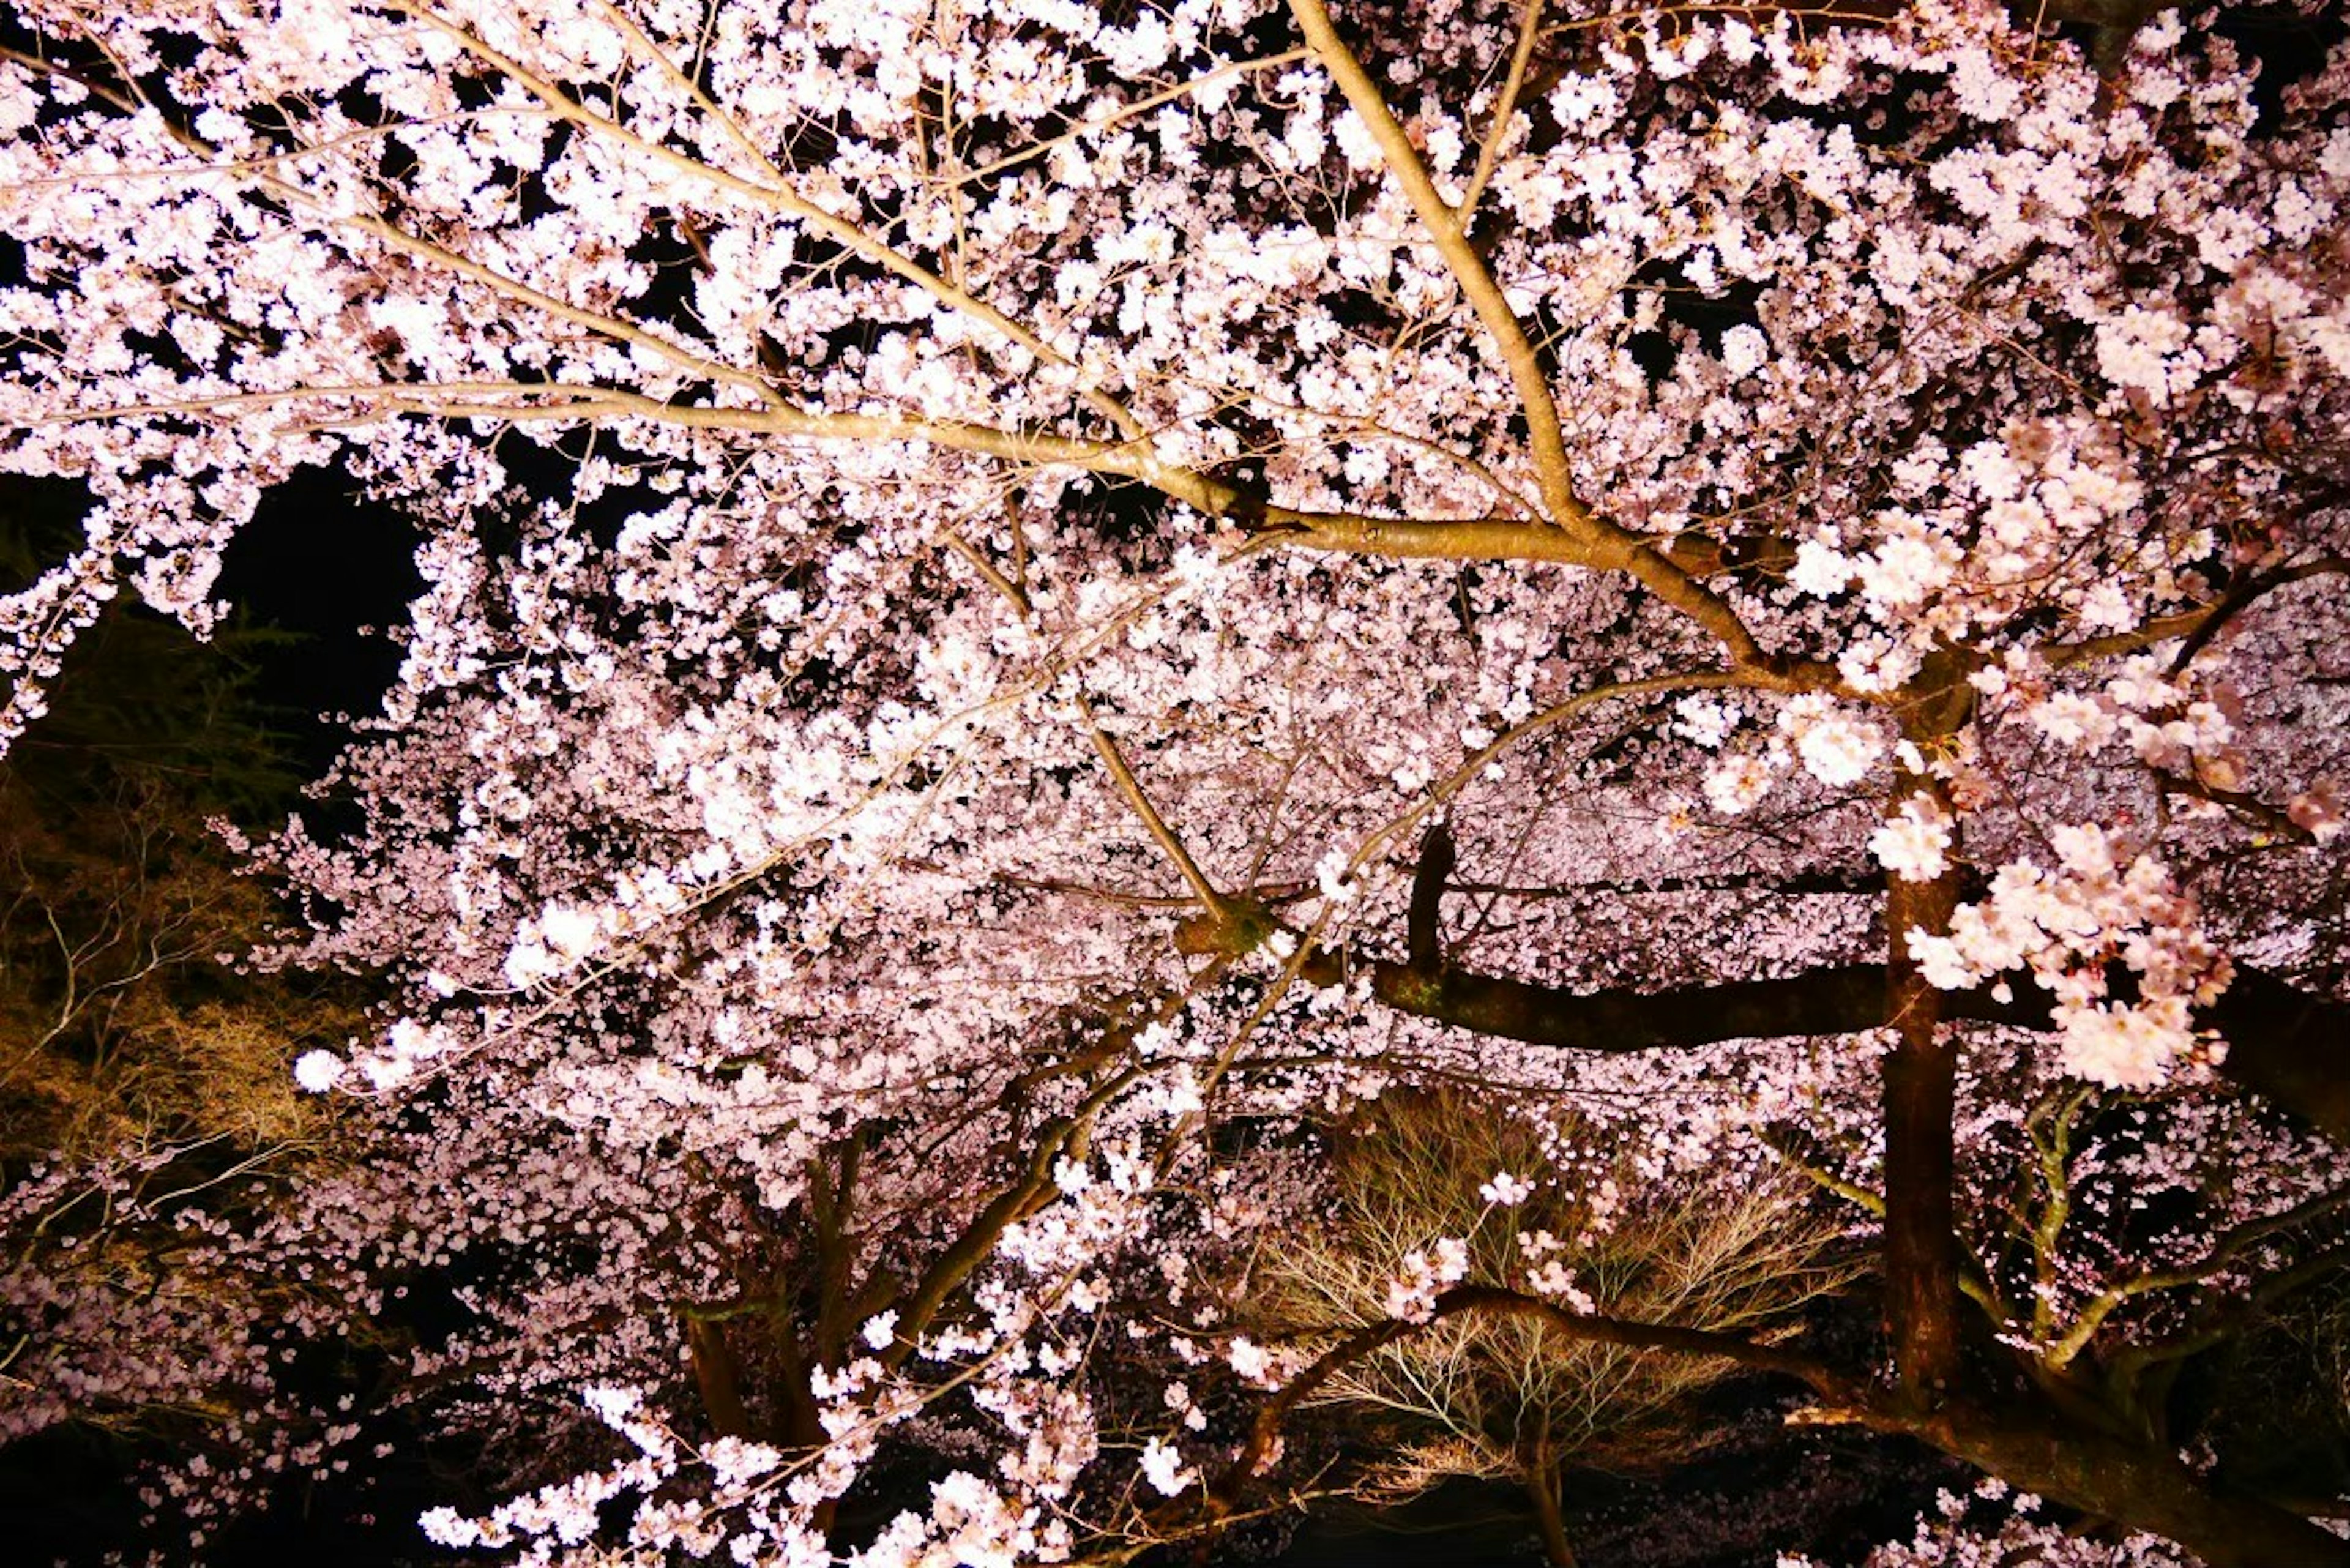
pixel 718 1377
pixel 2195 628
pixel 1011 1205
pixel 2291 1048
pixel 1840 1001
pixel 2144 1488
pixel 1422 929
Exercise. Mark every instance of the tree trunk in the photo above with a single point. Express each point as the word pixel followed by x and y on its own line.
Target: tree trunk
pixel 1919 1091
pixel 716 1374
pixel 1541 1482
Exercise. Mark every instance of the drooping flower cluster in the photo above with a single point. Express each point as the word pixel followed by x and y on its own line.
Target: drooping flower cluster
pixel 2065 925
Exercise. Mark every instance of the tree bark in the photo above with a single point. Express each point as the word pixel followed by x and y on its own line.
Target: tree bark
pixel 2289 1047
pixel 1541 1480
pixel 2293 1049
pixel 2142 1489
pixel 718 1377
pixel 1918 1094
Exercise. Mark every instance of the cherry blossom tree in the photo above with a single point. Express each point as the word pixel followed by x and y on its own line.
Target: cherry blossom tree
pixel 1026 601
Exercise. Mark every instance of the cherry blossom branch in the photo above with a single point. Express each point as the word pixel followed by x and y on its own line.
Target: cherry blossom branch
pixel 1342 427
pixel 2282 1043
pixel 1789 1143
pixel 1837 12
pixel 1009 591
pixel 2232 1243
pixel 964 1256
pixel 1597 541
pixel 1458 539
pixel 2229 1316
pixel 2197 627
pixel 782 197
pixel 1824 883
pixel 256 163
pixel 96 86
pixel 1093 125
pixel 1462 539
pixel 2260 584
pixel 1444 227
pixel 1218 907
pixel 1468 539
pixel 2053 1147
pixel 2061 1350
pixel 2275 823
pixel 1504 108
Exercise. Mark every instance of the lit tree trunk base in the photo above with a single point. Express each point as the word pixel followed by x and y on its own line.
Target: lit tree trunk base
pixel 2140 1487
pixel 2286 1046
pixel 1541 1488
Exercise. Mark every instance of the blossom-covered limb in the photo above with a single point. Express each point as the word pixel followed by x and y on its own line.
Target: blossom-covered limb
pixel 2283 1042
pixel 2192 629
pixel 1441 224
pixel 1505 107
pixel 777 192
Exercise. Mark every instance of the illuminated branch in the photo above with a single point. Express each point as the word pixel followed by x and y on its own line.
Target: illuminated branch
pixel 1444 231
pixel 1493 1301
pixel 1504 108
pixel 2284 1044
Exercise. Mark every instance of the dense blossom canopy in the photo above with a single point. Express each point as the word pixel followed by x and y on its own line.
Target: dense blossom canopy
pixel 1026 601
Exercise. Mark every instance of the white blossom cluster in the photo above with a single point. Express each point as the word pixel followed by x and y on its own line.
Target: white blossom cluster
pixel 2062 925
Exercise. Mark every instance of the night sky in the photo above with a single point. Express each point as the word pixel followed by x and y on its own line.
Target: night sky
pixel 321 560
